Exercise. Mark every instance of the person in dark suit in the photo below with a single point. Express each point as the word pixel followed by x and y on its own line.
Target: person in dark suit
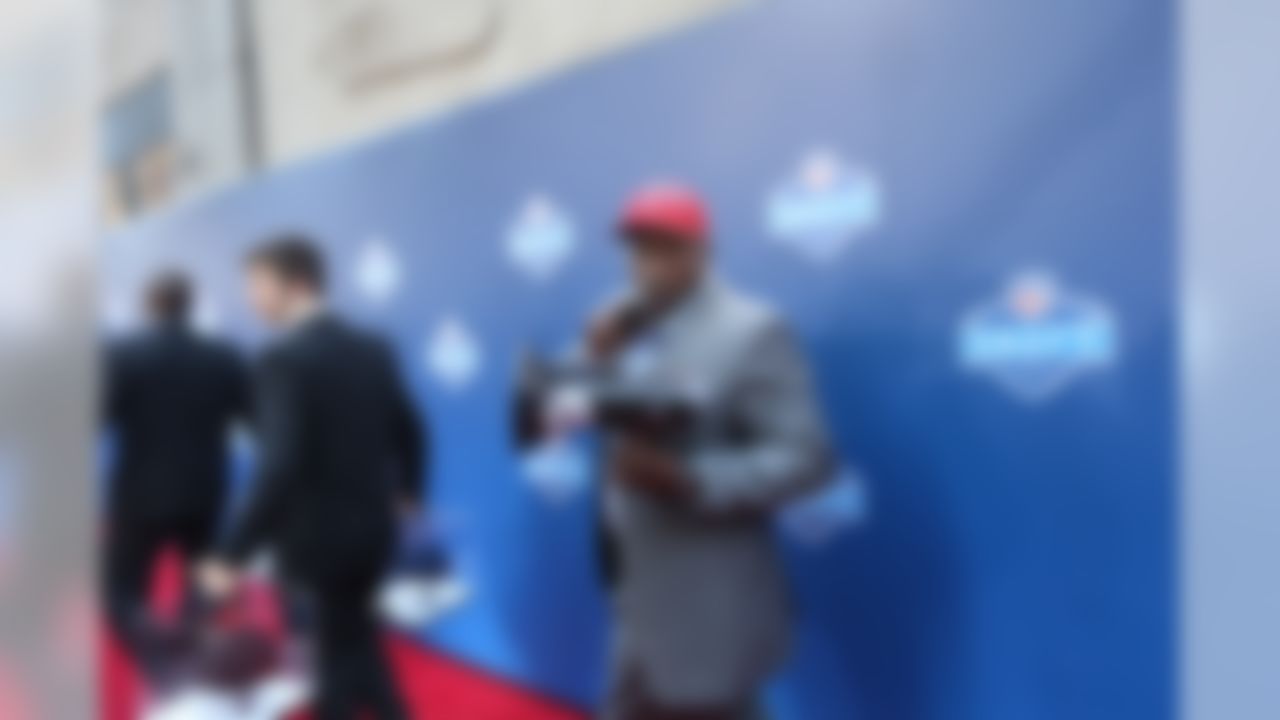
pixel 172 399
pixel 341 453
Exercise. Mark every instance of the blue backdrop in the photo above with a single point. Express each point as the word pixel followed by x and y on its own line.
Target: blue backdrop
pixel 1002 544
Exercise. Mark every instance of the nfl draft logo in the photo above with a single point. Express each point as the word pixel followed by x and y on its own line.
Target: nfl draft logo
pixel 540 239
pixel 824 207
pixel 837 507
pixel 557 470
pixel 1037 337
pixel 378 272
pixel 453 354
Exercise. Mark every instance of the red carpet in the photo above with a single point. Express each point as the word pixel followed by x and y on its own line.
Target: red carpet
pixel 438 688
pixel 435 687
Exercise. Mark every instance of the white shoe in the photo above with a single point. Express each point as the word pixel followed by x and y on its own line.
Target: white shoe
pixel 413 602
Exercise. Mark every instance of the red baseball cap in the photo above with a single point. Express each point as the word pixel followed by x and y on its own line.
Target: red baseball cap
pixel 668 208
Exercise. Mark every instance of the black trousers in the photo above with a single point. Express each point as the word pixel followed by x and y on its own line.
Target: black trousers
pixel 132 548
pixel 352 672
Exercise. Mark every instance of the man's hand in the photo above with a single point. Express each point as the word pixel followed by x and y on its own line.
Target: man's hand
pixel 606 334
pixel 647 468
pixel 217 579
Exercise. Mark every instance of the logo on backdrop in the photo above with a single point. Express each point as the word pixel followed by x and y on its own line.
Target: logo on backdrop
pixel 429 577
pixel 824 206
pixel 834 509
pixel 378 270
pixel 557 470
pixel 540 239
pixel 1037 337
pixel 453 354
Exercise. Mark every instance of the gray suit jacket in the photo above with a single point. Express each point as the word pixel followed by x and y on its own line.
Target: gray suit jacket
pixel 701 601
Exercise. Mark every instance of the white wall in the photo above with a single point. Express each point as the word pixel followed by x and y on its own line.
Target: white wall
pixel 1230 181
pixel 336 70
pixel 135 42
pixel 211 122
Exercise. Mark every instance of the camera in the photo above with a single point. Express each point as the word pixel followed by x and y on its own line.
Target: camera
pixel 555 398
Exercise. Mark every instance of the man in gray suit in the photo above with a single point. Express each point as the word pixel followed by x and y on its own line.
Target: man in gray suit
pixel 699 594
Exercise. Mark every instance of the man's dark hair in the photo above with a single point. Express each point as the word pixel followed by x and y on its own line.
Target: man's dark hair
pixel 293 258
pixel 169 297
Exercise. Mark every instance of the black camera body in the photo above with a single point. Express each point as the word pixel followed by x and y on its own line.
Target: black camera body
pixel 598 398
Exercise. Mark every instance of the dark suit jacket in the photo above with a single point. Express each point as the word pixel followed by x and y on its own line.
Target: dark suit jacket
pixel 339 443
pixel 171 400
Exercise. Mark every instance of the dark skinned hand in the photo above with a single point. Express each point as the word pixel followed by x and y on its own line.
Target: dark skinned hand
pixel 605 335
pixel 644 467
